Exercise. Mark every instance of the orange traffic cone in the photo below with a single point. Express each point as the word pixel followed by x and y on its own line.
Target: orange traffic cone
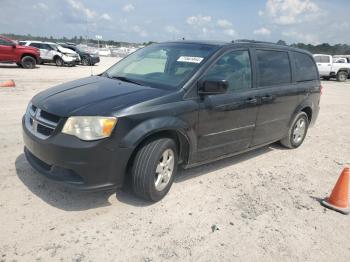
pixel 8 83
pixel 339 199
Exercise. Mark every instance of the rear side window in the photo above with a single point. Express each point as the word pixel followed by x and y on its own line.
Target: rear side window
pixel 305 67
pixel 322 59
pixel 274 67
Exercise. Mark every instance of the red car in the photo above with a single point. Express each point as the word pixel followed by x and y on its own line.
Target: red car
pixel 23 56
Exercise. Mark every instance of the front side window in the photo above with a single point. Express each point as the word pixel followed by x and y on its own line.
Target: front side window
pixel 162 65
pixel 305 67
pixel 5 42
pixel 36 45
pixel 274 67
pixel 233 67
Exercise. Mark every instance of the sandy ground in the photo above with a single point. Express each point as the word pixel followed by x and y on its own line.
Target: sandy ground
pixel 263 205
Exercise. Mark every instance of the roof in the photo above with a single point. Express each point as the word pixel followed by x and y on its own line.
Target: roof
pixel 243 43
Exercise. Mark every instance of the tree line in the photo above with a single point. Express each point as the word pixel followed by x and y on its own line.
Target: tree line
pixel 325 48
pixel 76 39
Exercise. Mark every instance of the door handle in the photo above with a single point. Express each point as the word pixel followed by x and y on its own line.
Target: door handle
pixel 251 100
pixel 267 98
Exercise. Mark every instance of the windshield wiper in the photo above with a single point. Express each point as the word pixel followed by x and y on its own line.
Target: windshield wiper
pixel 124 79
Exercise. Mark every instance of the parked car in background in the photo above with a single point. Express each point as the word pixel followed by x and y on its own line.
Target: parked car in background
pixel 171 103
pixel 86 58
pixel 329 68
pixel 54 53
pixel 341 60
pixel 104 52
pixel 10 52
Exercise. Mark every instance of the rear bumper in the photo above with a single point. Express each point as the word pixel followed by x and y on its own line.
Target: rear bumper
pixel 90 166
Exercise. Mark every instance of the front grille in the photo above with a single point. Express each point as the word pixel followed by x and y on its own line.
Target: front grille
pixel 40 123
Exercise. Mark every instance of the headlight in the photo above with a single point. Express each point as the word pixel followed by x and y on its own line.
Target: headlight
pixel 89 127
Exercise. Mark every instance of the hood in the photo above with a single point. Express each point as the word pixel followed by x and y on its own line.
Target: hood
pixel 65 50
pixel 93 95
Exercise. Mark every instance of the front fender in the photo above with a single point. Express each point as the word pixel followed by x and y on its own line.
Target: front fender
pixel 151 126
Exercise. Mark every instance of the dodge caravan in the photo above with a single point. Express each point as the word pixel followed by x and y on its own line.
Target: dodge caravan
pixel 169 104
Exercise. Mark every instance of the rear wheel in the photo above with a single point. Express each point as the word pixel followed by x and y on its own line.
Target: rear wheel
pixel 297 131
pixel 154 169
pixel 59 61
pixel 342 76
pixel 28 62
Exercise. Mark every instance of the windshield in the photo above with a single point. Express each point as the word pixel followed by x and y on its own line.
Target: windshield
pixel 162 65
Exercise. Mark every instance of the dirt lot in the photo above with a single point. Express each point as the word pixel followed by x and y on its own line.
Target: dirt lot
pixel 262 205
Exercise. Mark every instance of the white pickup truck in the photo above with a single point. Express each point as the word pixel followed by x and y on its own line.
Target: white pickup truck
pixel 329 68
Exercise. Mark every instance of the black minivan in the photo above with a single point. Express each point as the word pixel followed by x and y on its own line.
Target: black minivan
pixel 176 103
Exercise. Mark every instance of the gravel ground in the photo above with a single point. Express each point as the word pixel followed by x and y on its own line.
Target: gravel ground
pixel 261 205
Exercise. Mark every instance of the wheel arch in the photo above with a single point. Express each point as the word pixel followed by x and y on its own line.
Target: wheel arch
pixel 306 107
pixel 169 127
pixel 55 57
pixel 31 55
pixel 344 69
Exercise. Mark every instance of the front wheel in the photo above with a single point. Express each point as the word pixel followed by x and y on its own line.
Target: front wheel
pixel 297 131
pixel 154 169
pixel 59 61
pixel 28 62
pixel 86 61
pixel 342 76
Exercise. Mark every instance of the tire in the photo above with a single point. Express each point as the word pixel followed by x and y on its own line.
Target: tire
pixel 28 62
pixel 297 131
pixel 59 61
pixel 153 171
pixel 19 65
pixel 342 76
pixel 85 61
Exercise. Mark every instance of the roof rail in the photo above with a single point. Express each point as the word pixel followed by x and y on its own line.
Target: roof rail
pixel 253 41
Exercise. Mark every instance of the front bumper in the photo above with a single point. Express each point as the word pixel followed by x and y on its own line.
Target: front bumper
pixel 71 61
pixel 95 59
pixel 94 165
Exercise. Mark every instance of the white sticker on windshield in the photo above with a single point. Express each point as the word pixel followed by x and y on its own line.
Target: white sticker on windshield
pixel 190 59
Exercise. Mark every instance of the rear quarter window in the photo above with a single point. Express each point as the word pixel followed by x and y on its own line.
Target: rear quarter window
pixel 305 67
pixel 273 67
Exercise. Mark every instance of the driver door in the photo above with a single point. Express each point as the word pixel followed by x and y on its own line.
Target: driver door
pixel 227 121
pixel 46 52
pixel 7 51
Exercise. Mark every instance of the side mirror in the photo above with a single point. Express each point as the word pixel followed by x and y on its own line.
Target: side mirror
pixel 212 87
pixel 13 45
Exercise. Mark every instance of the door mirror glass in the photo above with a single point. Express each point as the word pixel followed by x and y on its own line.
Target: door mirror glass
pixel 212 87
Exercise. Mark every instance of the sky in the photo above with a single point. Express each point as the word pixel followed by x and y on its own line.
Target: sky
pixel 307 21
